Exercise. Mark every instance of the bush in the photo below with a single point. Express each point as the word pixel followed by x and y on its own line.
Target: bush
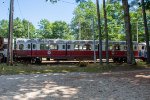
pixel 83 64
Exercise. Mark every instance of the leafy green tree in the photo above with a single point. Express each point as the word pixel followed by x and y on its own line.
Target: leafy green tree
pixel 115 21
pixel 60 29
pixel 45 29
pixel 29 29
pixel 4 28
pixel 81 22
pixel 18 28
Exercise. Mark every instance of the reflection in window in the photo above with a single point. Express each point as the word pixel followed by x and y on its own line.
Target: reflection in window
pixel 5 46
pixel 143 47
pixel 46 47
pixel 29 46
pixel 21 46
pixel 41 46
pixel 52 46
pixel 135 47
pixel 110 47
pixel 63 46
pixel 87 47
pixel 68 46
pixel 78 47
pixel 34 46
pixel 125 47
pixel 96 47
pixel 117 47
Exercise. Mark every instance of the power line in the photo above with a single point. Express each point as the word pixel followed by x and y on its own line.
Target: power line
pixel 19 9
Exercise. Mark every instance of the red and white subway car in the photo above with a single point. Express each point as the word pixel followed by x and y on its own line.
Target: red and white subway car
pixel 33 50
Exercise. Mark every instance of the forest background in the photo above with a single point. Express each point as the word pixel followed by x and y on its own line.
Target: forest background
pixel 80 26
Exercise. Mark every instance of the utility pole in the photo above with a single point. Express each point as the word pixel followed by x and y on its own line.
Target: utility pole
pixel 93 40
pixel 137 29
pixel 28 31
pixel 79 30
pixel 10 35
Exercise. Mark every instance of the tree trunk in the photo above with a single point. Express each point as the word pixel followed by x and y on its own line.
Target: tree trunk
pixel 106 31
pixel 99 32
pixel 130 55
pixel 146 31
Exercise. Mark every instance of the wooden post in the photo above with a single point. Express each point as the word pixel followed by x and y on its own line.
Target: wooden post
pixel 10 35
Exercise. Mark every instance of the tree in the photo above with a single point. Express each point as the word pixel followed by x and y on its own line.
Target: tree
pixel 60 29
pixel 106 31
pixel 45 28
pixel 143 4
pixel 28 29
pixel 81 21
pixel 130 55
pixel 115 21
pixel 18 28
pixel 147 4
pixel 4 28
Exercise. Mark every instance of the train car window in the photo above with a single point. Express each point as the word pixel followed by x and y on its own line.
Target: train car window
pixel 63 46
pixel 5 46
pixel 117 47
pixel 96 47
pixel 135 47
pixel 143 47
pixel 52 46
pixel 34 46
pixel 125 47
pixel 84 47
pixel 47 47
pixel 87 47
pixel 42 46
pixel 110 47
pixel 77 47
pixel 68 46
pixel 21 46
pixel 29 46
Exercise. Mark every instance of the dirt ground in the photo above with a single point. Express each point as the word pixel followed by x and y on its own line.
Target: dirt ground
pixel 124 85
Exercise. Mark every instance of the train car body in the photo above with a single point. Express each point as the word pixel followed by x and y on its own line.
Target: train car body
pixel 33 50
pixel 119 52
pixel 56 49
pixel 142 51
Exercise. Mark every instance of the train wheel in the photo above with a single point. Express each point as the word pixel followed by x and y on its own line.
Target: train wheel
pixel 125 60
pixel 48 59
pixel 120 60
pixel 114 60
pixel 38 61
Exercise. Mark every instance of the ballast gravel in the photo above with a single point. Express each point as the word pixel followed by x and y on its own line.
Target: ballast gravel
pixel 76 86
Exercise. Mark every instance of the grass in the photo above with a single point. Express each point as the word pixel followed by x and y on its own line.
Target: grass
pixel 58 68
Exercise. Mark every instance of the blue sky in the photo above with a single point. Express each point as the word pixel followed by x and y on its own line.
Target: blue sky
pixel 35 10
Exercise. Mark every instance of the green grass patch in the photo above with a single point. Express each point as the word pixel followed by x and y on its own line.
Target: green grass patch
pixel 58 68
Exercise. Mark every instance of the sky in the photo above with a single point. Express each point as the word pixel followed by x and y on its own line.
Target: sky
pixel 35 10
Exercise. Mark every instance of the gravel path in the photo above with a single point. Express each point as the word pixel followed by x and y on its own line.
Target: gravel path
pixel 76 86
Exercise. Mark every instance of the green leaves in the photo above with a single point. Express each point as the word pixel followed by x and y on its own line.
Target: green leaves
pixel 4 28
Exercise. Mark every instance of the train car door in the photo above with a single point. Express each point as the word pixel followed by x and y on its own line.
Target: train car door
pixel 142 51
pixel 33 50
